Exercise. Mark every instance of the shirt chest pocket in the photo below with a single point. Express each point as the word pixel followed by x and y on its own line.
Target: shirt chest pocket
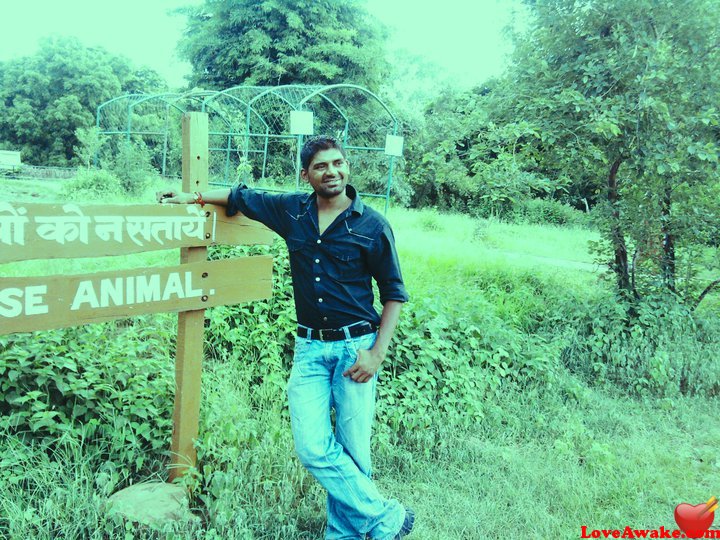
pixel 345 264
pixel 295 245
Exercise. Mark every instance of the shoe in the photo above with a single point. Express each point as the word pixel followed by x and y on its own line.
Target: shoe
pixel 407 525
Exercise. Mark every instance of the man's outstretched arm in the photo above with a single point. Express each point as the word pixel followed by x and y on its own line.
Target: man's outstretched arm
pixel 269 209
pixel 215 196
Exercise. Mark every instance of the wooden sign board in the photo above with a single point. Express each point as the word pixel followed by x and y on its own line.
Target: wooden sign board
pixel 51 231
pixel 40 303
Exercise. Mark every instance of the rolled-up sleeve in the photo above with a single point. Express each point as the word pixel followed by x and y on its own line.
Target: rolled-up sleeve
pixel 268 209
pixel 385 267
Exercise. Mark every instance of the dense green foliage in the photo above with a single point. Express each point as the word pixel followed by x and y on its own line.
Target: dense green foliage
pixel 274 42
pixel 516 357
pixel 61 384
pixel 46 97
pixel 607 104
pixel 620 92
pixel 509 368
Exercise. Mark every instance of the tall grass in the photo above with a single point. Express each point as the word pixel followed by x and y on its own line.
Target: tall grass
pixel 542 465
pixel 549 446
pixel 539 466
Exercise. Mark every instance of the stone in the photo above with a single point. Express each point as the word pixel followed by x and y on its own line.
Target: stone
pixel 151 503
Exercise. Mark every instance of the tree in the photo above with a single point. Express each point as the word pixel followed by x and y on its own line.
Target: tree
pixel 47 97
pixel 620 96
pixel 276 42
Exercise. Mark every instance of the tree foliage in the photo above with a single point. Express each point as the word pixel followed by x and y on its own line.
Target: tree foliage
pixel 47 97
pixel 275 42
pixel 609 103
pixel 621 91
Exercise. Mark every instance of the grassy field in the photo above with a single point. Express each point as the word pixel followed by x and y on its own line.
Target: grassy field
pixel 545 460
pixel 548 464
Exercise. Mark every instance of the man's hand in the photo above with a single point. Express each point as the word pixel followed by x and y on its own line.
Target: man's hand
pixel 366 365
pixel 174 197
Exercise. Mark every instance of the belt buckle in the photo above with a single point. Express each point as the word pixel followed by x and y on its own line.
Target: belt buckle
pixel 320 331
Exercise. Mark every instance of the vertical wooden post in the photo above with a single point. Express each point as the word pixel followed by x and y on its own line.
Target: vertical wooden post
pixel 191 324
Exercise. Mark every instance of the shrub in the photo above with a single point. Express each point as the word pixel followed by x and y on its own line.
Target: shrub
pixel 447 362
pixel 111 382
pixel 547 211
pixel 654 346
pixel 92 185
pixel 132 165
pixel 260 333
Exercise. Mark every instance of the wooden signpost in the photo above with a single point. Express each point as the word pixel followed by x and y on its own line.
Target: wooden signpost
pixel 49 231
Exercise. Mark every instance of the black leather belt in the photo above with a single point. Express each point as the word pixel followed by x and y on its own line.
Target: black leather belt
pixel 336 334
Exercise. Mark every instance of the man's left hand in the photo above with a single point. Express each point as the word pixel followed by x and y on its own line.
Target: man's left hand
pixel 366 365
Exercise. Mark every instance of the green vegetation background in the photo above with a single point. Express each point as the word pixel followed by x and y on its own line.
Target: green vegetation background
pixel 556 366
pixel 510 405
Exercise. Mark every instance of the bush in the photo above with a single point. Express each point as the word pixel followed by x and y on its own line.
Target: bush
pixel 547 211
pixel 132 165
pixel 92 185
pixel 110 382
pixel 652 347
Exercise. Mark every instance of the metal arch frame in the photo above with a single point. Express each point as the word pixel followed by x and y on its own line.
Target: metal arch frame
pixel 391 159
pixel 354 87
pixel 272 90
pixel 128 131
pixel 246 151
pixel 110 101
pixel 248 110
pixel 190 95
pixel 169 99
pixel 206 98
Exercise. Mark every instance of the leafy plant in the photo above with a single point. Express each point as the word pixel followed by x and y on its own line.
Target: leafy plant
pixel 111 382
pixel 92 185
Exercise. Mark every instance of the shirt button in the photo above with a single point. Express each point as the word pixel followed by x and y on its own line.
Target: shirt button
pixel 317 279
pixel 324 319
pixel 320 300
pixel 319 241
pixel 317 261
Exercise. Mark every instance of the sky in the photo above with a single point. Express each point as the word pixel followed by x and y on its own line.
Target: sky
pixel 463 37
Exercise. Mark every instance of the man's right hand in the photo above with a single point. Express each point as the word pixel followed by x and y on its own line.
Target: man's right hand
pixel 174 197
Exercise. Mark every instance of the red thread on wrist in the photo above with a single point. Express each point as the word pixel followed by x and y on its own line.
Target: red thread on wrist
pixel 199 199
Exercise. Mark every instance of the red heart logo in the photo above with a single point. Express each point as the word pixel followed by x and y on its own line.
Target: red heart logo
pixel 693 520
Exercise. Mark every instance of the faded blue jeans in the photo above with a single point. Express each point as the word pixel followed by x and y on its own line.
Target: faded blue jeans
pixel 339 459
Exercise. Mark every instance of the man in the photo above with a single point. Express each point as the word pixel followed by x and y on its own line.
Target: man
pixel 336 245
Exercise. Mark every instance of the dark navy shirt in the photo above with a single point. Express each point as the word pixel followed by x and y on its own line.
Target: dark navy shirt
pixel 331 271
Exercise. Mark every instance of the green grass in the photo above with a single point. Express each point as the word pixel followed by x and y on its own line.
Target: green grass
pixel 537 468
pixel 458 242
pixel 543 461
pixel 606 463
pixel 46 191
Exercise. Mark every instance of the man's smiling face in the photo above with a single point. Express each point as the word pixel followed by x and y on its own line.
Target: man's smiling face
pixel 327 173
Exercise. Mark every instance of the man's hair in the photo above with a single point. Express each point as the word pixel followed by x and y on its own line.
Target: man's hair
pixel 316 144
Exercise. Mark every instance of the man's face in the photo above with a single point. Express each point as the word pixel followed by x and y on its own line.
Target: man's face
pixel 327 173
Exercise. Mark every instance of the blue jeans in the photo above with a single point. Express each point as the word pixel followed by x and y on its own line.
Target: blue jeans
pixel 339 460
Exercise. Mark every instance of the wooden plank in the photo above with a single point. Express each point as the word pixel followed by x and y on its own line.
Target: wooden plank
pixel 40 303
pixel 51 231
pixel 191 324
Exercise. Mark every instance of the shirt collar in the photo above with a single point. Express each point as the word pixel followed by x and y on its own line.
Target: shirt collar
pixel 356 205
